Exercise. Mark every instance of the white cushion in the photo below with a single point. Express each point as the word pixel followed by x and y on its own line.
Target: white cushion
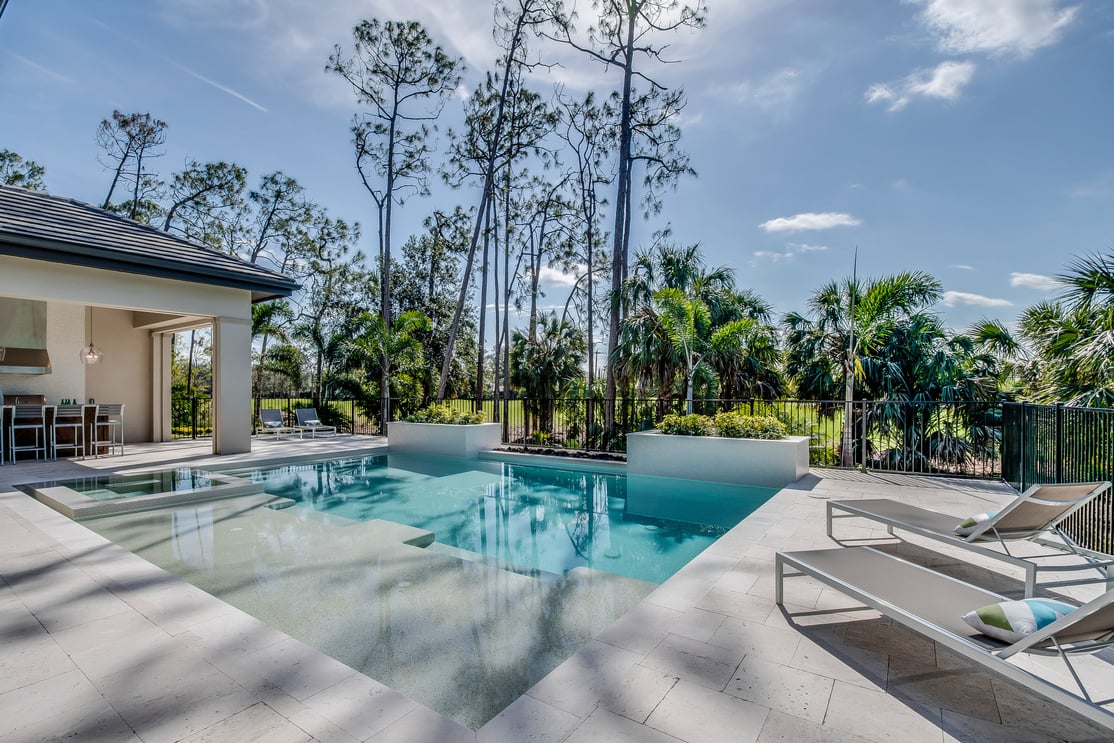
pixel 313 422
pixel 273 424
pixel 1010 621
pixel 968 526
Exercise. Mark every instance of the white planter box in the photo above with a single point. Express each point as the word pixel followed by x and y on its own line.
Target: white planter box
pixel 772 464
pixel 449 440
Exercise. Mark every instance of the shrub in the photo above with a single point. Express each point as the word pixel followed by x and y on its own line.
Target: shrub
pixel 738 426
pixel 686 425
pixel 444 414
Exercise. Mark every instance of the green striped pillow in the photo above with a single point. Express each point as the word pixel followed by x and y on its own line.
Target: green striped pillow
pixel 1011 621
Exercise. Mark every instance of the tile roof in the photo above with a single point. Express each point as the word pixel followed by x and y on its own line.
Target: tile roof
pixel 53 228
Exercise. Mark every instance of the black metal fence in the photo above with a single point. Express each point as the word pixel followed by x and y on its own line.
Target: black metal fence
pixel 192 417
pixel 923 437
pixel 1057 443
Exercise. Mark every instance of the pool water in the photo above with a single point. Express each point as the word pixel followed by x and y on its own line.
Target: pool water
pixel 528 564
pixel 533 517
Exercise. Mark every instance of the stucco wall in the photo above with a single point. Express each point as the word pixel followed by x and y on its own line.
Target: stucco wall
pixel 65 335
pixel 124 374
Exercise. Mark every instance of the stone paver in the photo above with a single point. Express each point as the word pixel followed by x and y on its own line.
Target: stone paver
pixel 96 644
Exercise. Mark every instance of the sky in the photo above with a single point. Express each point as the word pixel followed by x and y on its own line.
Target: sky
pixel 970 139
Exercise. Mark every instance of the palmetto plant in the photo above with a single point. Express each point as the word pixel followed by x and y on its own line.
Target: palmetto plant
pixel 687 322
pixel 1072 340
pixel 688 327
pixel 542 369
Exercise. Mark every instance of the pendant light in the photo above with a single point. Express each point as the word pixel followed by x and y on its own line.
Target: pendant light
pixel 90 354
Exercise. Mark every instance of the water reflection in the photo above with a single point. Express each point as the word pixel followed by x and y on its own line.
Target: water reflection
pixel 543 519
pixel 462 636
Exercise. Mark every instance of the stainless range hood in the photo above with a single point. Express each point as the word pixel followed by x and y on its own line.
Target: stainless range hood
pixel 24 361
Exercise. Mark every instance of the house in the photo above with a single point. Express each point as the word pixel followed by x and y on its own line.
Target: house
pixel 72 275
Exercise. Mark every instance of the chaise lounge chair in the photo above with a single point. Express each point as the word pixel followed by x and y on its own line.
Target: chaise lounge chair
pixel 1033 515
pixel 310 422
pixel 271 423
pixel 934 605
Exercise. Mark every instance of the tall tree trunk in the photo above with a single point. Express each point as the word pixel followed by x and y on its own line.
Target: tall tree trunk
pixel 846 454
pixel 621 239
pixel 385 271
pixel 189 364
pixel 483 316
pixel 489 181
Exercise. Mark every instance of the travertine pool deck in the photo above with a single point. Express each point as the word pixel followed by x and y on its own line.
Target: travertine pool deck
pixel 97 644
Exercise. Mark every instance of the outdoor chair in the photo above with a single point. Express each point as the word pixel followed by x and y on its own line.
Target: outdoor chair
pixel 309 421
pixel 108 429
pixel 69 418
pixel 272 424
pixel 1031 517
pixel 32 419
pixel 934 605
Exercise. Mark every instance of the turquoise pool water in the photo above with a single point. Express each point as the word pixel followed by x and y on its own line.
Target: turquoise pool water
pixel 528 564
pixel 532 517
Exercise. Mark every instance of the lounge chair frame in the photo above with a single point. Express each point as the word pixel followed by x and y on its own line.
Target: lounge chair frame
pixel 938 526
pixel 843 569
pixel 310 414
pixel 276 431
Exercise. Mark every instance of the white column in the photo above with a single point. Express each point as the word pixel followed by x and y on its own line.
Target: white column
pixel 161 382
pixel 231 385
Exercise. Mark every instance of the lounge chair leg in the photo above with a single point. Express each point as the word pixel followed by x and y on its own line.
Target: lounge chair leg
pixel 1030 581
pixel 1071 669
pixel 828 512
pixel 779 577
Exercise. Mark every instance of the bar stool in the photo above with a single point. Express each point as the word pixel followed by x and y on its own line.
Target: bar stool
pixel 30 418
pixel 69 418
pixel 110 431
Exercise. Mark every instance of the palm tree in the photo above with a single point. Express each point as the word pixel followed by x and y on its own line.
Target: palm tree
pixel 687 325
pixel 701 305
pixel 1071 340
pixel 395 351
pixel 270 320
pixel 841 340
pixel 544 368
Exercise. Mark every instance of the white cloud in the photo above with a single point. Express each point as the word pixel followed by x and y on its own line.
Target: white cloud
pixel 775 91
pixel 810 221
pixel 555 277
pixel 962 267
pixel 996 26
pixel 218 86
pixel 1034 281
pixel 945 81
pixel 792 250
pixel 57 76
pixel 951 299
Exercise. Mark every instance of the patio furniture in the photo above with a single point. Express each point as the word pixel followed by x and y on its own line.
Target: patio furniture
pixel 308 420
pixel 934 605
pixel 1030 517
pixel 108 429
pixel 31 419
pixel 69 418
pixel 271 423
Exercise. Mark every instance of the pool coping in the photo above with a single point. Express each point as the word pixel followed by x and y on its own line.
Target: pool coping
pixel 78 506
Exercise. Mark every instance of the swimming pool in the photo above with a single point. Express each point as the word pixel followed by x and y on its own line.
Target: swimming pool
pixel 527 566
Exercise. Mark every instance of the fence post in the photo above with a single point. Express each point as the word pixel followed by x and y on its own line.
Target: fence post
pixel 193 417
pixel 1059 442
